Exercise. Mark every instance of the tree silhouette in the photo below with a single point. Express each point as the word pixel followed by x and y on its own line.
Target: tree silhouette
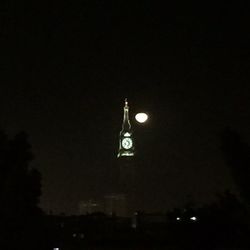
pixel 237 156
pixel 20 189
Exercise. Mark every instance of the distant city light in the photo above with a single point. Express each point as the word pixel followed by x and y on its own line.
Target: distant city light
pixel 134 225
pixel 141 117
pixel 193 218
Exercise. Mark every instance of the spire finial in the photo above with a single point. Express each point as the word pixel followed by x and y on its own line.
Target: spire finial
pixel 126 102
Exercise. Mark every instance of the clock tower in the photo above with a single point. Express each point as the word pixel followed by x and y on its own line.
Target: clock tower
pixel 126 162
pixel 122 200
pixel 126 142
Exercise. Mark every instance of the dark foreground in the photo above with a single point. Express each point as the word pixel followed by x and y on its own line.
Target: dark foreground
pixel 98 231
pixel 101 232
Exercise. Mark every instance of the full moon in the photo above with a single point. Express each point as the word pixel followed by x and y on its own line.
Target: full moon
pixel 141 117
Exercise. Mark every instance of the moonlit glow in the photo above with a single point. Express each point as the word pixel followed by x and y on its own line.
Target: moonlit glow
pixel 141 117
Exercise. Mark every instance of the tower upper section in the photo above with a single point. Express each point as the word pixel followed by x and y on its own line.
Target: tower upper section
pixel 126 126
pixel 126 142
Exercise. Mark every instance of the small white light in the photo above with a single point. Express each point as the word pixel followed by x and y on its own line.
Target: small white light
pixel 56 248
pixel 134 225
pixel 178 218
pixel 193 218
pixel 141 117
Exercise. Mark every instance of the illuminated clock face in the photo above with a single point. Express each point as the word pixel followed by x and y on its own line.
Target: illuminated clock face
pixel 127 143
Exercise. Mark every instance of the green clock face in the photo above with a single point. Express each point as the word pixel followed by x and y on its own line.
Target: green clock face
pixel 127 143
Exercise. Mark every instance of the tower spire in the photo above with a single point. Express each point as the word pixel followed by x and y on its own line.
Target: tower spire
pixel 126 122
pixel 126 102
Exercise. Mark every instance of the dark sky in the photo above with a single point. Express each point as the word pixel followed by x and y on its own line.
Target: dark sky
pixel 66 69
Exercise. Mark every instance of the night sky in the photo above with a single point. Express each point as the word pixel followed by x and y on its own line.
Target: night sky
pixel 66 69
